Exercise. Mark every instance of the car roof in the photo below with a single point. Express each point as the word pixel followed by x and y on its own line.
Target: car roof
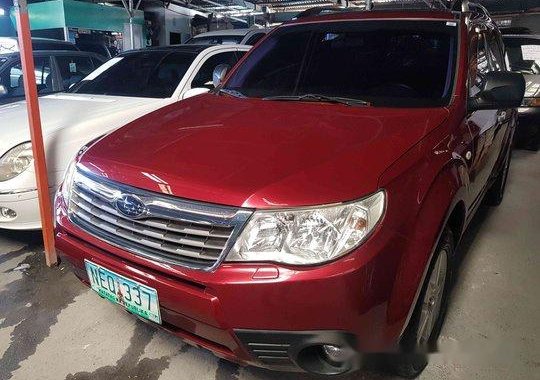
pixel 51 52
pixel 377 14
pixel 229 32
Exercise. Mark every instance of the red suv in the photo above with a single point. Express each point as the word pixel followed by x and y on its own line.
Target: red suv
pixel 305 214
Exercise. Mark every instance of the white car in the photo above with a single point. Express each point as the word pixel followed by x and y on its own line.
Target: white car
pixel 122 90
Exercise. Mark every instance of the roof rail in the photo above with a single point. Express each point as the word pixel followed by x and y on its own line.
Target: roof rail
pixel 474 11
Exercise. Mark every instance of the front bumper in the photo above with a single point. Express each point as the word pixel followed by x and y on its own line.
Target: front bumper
pixel 237 306
pixel 26 205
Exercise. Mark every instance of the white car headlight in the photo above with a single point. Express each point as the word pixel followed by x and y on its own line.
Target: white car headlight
pixel 308 236
pixel 67 183
pixel 16 161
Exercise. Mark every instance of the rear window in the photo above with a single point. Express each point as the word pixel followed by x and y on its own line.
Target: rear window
pixel 215 40
pixel 403 63
pixel 523 54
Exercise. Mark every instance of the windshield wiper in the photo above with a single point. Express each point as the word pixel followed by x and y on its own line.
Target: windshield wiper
pixel 236 94
pixel 320 98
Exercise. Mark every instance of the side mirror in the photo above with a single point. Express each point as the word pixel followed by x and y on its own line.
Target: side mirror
pixel 194 92
pixel 219 73
pixel 3 90
pixel 502 89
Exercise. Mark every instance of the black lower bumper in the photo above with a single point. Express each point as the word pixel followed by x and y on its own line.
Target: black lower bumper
pixel 299 350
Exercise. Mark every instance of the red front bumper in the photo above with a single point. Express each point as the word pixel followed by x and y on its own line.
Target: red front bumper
pixel 209 309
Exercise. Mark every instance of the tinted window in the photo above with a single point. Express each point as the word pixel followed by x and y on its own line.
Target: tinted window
pixel 13 80
pixel 523 54
pixel 254 39
pixel 479 64
pixel 204 75
pixel 495 53
pixel 402 64
pixel 2 60
pixel 215 40
pixel 150 74
pixel 94 48
pixel 73 69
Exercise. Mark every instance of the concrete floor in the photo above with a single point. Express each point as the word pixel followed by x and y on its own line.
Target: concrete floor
pixel 52 327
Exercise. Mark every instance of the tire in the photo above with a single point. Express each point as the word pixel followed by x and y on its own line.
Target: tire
pixel 495 194
pixel 426 322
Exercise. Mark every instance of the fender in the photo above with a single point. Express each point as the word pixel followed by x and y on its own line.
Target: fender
pixel 436 175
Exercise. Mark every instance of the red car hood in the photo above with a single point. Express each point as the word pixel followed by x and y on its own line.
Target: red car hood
pixel 261 154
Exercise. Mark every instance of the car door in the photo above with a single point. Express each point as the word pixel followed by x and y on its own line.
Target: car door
pixel 12 79
pixel 489 128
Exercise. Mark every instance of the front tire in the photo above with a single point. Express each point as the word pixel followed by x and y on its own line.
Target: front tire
pixel 425 326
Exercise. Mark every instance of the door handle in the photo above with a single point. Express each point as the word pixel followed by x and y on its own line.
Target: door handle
pixel 501 116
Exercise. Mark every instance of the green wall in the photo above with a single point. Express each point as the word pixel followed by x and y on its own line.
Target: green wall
pixel 78 14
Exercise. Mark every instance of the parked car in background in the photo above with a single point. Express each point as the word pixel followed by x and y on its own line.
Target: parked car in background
pixel 100 48
pixel 306 213
pixel 55 70
pixel 123 89
pixel 11 44
pixel 229 36
pixel 523 55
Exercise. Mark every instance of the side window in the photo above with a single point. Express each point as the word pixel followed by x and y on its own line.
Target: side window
pixel 73 69
pixel 495 53
pixel 203 78
pixel 479 64
pixel 12 78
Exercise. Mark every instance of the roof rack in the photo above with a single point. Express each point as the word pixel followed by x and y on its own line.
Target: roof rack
pixel 475 11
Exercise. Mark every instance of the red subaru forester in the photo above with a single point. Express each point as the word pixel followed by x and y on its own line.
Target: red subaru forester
pixel 304 214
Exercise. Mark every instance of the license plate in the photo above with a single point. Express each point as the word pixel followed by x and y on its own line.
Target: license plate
pixel 137 298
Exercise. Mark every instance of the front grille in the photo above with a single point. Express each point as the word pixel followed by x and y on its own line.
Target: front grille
pixel 171 230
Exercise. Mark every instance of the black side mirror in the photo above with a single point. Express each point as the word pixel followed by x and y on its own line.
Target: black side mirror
pixel 219 73
pixel 503 89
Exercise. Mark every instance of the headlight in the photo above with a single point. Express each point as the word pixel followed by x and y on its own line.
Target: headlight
pixel 16 161
pixel 67 184
pixel 308 236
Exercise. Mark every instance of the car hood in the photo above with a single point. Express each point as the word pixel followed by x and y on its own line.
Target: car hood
pixel 68 111
pixel 261 154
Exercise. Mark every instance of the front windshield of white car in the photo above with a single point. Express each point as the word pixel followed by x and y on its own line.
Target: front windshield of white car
pixel 146 74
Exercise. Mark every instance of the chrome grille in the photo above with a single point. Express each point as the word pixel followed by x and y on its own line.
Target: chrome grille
pixel 171 230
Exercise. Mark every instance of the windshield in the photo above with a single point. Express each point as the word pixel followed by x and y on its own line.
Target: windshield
pixel 403 63
pixel 2 60
pixel 149 74
pixel 523 54
pixel 215 40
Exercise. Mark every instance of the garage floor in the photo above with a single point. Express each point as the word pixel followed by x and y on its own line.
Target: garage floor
pixel 52 327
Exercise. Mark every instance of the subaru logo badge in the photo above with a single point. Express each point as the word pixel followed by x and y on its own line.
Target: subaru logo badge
pixel 130 206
